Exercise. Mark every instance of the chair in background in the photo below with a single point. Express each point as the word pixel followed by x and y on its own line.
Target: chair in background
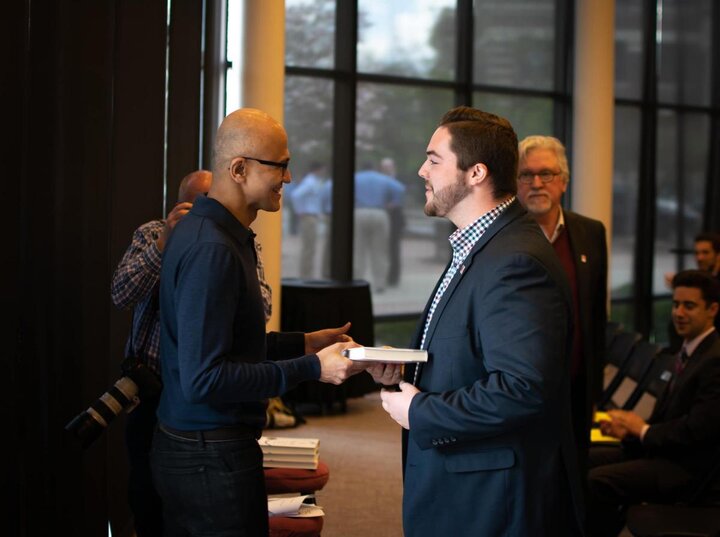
pixel 643 399
pixel 616 355
pixel 698 517
pixel 630 375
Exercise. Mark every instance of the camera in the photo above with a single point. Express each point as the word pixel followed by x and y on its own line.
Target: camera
pixel 138 382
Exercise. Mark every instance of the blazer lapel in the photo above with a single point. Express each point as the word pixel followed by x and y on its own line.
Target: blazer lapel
pixel 692 364
pixel 578 241
pixel 417 337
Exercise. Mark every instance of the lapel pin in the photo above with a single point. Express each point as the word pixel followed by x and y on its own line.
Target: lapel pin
pixel 462 269
pixel 583 258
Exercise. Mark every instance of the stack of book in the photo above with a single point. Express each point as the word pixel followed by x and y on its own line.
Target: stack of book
pixel 282 452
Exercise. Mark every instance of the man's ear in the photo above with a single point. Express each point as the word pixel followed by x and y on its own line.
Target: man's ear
pixel 714 306
pixel 237 169
pixel 479 174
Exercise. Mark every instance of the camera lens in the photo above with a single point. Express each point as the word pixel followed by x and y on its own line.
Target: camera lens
pixel 88 425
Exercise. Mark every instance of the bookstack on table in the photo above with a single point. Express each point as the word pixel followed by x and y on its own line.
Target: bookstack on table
pixel 281 452
pixel 292 467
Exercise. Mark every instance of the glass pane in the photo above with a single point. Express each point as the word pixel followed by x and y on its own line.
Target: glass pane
pixel 406 251
pixel 233 50
pixel 622 311
pixel 681 169
pixel 310 33
pixel 628 49
pixel 308 120
pixel 528 115
pixel 409 38
pixel 626 179
pixel 514 43
pixel 662 308
pixel 685 51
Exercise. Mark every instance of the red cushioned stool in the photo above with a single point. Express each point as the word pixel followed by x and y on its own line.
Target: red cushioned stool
pixel 284 480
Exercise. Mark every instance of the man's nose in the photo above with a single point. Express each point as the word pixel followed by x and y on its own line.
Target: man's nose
pixel 421 171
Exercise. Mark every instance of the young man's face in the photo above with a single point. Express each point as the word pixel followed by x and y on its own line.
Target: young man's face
pixel 691 315
pixel 705 255
pixel 445 184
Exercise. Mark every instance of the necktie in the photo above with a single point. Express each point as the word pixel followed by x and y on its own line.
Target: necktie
pixel 680 363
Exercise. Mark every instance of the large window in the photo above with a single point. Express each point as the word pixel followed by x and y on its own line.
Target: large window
pixel 409 63
pixel 664 110
pixel 367 81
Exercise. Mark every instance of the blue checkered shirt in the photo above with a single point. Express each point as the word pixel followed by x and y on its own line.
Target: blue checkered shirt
pixel 135 284
pixel 462 242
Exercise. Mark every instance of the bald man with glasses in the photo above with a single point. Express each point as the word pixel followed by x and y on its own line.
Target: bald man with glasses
pixel 219 366
pixel 580 243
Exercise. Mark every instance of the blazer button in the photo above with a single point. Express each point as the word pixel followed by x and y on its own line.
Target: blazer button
pixel 453 439
pixel 434 442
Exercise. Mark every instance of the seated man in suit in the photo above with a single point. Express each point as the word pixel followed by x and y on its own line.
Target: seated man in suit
pixel 662 459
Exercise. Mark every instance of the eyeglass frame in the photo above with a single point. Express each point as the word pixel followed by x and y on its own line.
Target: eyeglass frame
pixel 546 176
pixel 282 165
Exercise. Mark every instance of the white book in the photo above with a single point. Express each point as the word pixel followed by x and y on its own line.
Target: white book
pixel 303 465
pixel 281 444
pixel 386 354
pixel 287 457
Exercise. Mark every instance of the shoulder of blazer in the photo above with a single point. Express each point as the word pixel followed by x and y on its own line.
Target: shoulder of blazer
pixel 708 348
pixel 573 221
pixel 514 214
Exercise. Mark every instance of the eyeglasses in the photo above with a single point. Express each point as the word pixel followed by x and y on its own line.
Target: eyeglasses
pixel 282 165
pixel 545 176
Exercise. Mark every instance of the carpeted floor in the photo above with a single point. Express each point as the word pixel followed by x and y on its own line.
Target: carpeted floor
pixel 362 448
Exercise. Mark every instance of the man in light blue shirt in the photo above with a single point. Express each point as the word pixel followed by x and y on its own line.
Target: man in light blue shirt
pixel 307 204
pixel 375 192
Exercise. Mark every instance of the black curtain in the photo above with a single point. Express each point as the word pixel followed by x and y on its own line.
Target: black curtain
pixel 85 98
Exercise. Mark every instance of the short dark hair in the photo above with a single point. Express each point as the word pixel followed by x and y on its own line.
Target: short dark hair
pixel 478 136
pixel 708 236
pixel 709 285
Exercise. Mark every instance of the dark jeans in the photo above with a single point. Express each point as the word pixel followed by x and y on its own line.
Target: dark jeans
pixel 143 498
pixel 618 479
pixel 210 488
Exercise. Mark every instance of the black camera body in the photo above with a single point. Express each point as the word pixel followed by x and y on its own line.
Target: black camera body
pixel 138 382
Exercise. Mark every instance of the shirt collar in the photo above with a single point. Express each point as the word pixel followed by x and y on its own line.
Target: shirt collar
pixel 692 345
pixel 218 213
pixel 464 239
pixel 558 228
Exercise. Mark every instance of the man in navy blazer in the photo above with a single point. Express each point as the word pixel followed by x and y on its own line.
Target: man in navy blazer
pixel 487 446
pixel 580 244
pixel 664 459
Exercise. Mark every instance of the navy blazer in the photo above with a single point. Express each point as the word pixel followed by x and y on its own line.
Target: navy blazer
pixel 490 448
pixel 685 423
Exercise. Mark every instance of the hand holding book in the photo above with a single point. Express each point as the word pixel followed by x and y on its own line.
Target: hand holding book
pixel 386 374
pixel 386 364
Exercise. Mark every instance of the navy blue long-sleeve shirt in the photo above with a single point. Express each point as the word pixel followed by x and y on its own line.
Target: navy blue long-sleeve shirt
pixel 215 354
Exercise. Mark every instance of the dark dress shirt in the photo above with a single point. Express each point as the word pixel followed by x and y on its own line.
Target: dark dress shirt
pixel 213 346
